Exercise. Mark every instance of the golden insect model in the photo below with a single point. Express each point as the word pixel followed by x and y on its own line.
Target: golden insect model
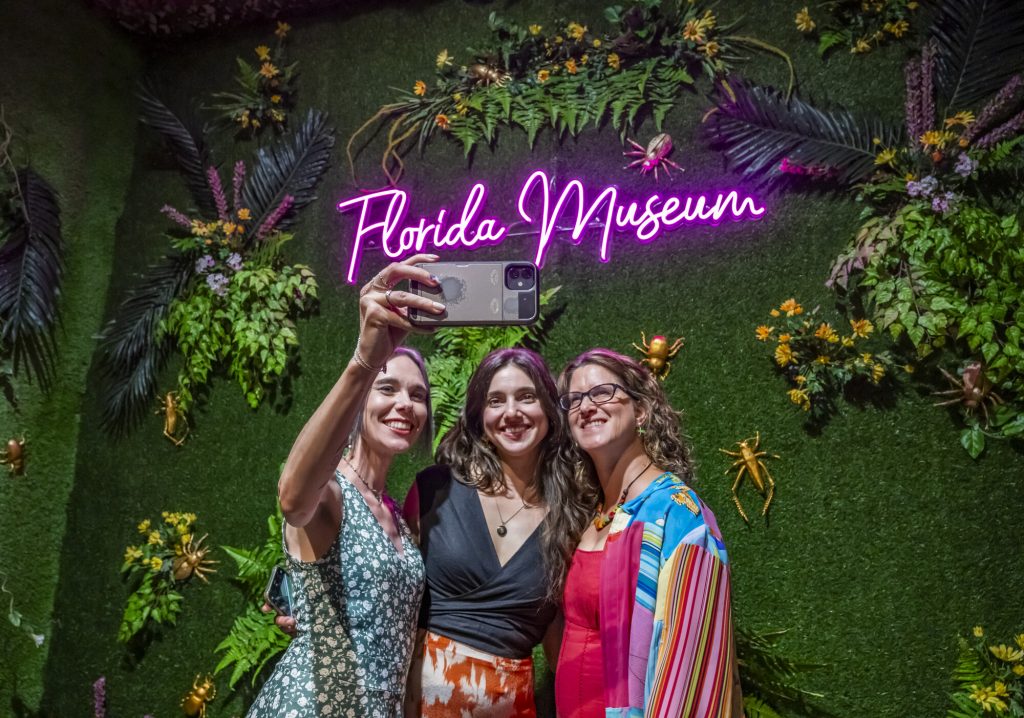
pixel 658 354
pixel 13 457
pixel 487 74
pixel 193 561
pixel 973 391
pixel 749 461
pixel 194 702
pixel 175 424
pixel 655 154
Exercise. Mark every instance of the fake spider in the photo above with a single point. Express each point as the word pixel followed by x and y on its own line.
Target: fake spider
pixel 654 154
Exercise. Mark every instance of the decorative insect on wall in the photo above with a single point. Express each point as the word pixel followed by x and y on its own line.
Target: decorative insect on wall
pixel 175 423
pixel 974 391
pixel 658 354
pixel 13 456
pixel 654 154
pixel 750 461
pixel 193 562
pixel 194 702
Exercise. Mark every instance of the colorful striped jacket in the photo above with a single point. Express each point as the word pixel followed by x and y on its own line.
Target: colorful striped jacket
pixel 666 623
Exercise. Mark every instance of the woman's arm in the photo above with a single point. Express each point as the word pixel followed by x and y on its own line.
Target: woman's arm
pixel 552 641
pixel 383 323
pixel 411 510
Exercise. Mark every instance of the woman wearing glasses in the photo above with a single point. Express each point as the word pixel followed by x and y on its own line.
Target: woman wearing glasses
pixel 648 627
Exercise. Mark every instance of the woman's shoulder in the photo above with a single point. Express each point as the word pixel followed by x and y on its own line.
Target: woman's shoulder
pixel 433 479
pixel 676 507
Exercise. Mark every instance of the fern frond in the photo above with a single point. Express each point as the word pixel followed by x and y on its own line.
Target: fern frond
pixel 253 641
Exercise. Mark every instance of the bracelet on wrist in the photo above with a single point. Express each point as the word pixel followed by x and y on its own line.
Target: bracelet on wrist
pixel 358 359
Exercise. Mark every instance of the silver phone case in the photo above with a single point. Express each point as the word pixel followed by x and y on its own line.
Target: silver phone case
pixel 475 294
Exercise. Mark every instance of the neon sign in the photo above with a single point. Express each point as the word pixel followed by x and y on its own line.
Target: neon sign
pixel 645 220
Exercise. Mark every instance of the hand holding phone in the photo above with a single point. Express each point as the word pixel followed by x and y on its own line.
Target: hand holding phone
pixel 480 294
pixel 278 594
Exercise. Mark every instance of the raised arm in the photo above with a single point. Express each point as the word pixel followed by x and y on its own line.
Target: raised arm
pixel 383 324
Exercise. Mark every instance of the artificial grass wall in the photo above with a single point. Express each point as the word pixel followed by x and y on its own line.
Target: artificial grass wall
pixel 885 540
pixel 66 93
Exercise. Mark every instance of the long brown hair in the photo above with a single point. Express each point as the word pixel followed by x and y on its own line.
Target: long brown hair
pixel 473 460
pixel 662 439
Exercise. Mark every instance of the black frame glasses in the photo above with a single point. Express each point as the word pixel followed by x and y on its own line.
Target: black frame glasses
pixel 574 399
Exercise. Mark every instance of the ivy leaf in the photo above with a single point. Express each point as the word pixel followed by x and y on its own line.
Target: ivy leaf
pixel 973 440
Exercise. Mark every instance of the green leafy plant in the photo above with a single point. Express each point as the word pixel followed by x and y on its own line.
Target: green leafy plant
pixel 819 361
pixel 858 24
pixel 457 352
pixel 989 678
pixel 254 638
pixel 156 569
pixel 770 679
pixel 564 79
pixel 265 93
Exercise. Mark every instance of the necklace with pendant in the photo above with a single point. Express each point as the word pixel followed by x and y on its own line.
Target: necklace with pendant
pixel 501 530
pixel 376 494
pixel 602 519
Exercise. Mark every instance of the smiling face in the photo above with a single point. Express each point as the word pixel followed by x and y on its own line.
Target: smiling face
pixel 396 407
pixel 602 428
pixel 513 416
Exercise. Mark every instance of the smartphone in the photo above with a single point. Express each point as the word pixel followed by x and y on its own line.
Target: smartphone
pixel 480 293
pixel 279 592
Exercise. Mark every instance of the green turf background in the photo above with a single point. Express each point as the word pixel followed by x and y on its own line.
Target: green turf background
pixel 886 540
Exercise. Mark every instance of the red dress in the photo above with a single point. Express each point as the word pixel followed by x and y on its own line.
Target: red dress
pixel 579 677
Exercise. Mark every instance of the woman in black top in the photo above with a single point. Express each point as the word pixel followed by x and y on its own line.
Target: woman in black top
pixel 496 519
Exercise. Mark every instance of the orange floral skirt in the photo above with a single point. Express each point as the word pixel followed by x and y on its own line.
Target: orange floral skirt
pixel 461 681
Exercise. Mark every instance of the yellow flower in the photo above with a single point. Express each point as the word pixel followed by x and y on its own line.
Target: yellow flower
pixel 885 157
pixel 559 39
pixel 826 332
pixel 909 369
pixel 570 66
pixel 263 52
pixel 596 42
pixel 763 332
pixel 1007 653
pixel 244 214
pixel 693 31
pixel 790 307
pixel 877 372
pixel 443 59
pixel 282 29
pixel 156 563
pixel 535 29
pixel 1018 670
pixel 964 118
pixel 614 61
pixel 154 539
pixel 543 75
pixel 461 106
pixel 822 359
pixel 804 23
pixel 269 71
pixel 800 397
pixel 711 48
pixel 784 355
pixel 774 312
pixel 862 46
pixel 847 342
pixel 131 553
pixel 898 28
pixel 979 631
pixel 584 59
pixel 442 121
pixel 419 88
pixel 708 21
pixel 576 31
pixel 912 5
pixel 861 327
pixel 986 698
pixel 783 338
pixel 866 357
pixel 800 379
pixel 229 227
pixel 275 99
pixel 190 517
pixel 144 526
pixel 186 539
pixel 936 138
pixel 1019 638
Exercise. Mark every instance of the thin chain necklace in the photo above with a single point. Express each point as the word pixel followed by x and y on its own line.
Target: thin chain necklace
pixel 376 494
pixel 501 530
pixel 602 519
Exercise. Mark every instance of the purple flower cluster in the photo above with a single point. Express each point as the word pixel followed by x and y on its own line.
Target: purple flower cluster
pixel 995 107
pixel 176 216
pixel 924 188
pixel 920 101
pixel 218 283
pixel 237 180
pixel 278 214
pixel 234 261
pixel 213 179
pixel 99 697
pixel 204 263
pixel 965 165
pixel 944 203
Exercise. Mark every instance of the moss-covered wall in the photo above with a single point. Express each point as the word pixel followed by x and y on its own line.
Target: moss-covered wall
pixel 885 539
pixel 66 89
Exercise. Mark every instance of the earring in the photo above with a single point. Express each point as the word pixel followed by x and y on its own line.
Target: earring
pixel 640 430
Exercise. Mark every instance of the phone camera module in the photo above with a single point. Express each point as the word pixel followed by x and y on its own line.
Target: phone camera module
pixel 520 277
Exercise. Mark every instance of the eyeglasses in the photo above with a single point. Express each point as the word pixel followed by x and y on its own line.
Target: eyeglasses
pixel 600 394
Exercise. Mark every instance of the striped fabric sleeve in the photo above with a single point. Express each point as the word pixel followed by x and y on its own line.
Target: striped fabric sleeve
pixel 692 675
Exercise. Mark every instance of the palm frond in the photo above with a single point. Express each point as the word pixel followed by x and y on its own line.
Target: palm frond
pixel 31 271
pixel 289 167
pixel 980 46
pixel 757 128
pixel 185 138
pixel 131 354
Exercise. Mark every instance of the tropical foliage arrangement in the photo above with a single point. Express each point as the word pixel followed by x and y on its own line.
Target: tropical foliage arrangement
pixel 223 296
pixel 860 25
pixel 565 79
pixel 31 271
pixel 254 638
pixel 458 351
pixel 265 93
pixel 818 360
pixel 770 680
pixel 989 678
pixel 156 569
pixel 146 17
pixel 937 262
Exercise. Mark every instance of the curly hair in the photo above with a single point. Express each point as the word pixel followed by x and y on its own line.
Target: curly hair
pixel 473 460
pixel 662 438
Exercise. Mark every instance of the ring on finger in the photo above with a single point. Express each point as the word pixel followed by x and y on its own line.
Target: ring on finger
pixel 387 298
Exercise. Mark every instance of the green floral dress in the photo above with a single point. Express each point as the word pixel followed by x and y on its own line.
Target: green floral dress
pixel 355 611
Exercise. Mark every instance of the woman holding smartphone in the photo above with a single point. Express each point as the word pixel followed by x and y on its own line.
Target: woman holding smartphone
pixel 496 520
pixel 355 571
pixel 648 625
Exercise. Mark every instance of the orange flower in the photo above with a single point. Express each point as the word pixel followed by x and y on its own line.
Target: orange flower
pixel 244 214
pixel 826 332
pixel 790 307
pixel 570 66
pixel 282 29
pixel 861 327
pixel 614 61
pixel 269 71
pixel 543 75
pixel 784 355
pixel 442 121
pixel 763 332
pixel 419 88
pixel 693 31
